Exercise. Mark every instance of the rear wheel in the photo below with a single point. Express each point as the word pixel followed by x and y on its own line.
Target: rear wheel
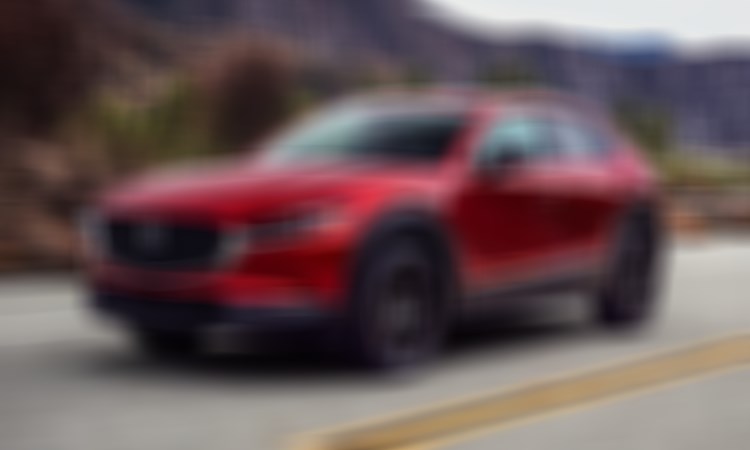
pixel 628 290
pixel 396 319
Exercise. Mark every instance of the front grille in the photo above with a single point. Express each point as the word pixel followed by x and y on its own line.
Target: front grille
pixel 160 245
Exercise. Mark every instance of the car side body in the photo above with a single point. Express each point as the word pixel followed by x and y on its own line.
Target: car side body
pixel 531 192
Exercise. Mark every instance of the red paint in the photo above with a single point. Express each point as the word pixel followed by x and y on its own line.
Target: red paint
pixel 541 216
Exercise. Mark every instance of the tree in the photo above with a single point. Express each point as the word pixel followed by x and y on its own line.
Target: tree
pixel 649 124
pixel 248 90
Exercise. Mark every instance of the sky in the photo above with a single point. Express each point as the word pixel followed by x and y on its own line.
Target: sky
pixel 692 22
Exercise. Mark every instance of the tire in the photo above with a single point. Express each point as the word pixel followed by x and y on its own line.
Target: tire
pixel 396 317
pixel 165 344
pixel 628 292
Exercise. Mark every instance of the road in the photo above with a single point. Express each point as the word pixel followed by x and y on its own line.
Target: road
pixel 68 381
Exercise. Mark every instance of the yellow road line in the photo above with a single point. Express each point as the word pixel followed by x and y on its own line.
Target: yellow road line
pixel 458 420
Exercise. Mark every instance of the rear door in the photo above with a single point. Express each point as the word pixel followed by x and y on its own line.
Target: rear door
pixel 585 203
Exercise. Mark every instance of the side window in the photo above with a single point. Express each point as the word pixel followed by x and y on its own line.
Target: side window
pixel 529 135
pixel 579 141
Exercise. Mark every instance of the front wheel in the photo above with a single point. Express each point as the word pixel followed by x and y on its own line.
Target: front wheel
pixel 396 316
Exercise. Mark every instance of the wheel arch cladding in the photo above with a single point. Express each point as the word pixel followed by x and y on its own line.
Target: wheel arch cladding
pixel 424 227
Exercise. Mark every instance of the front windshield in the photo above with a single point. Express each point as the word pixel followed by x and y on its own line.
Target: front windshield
pixel 422 136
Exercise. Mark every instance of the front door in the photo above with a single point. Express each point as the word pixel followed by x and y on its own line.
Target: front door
pixel 505 216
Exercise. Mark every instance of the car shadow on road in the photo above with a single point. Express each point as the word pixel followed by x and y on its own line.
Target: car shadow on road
pixel 506 335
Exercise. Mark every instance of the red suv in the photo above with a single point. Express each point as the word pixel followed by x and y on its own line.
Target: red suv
pixel 381 222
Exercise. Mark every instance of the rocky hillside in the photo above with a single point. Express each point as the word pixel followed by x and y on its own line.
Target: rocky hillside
pixel 709 97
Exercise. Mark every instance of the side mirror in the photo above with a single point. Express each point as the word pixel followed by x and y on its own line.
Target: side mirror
pixel 498 164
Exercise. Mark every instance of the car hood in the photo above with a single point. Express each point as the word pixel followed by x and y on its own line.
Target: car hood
pixel 238 192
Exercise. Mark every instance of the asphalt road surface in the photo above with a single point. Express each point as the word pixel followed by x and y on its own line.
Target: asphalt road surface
pixel 68 381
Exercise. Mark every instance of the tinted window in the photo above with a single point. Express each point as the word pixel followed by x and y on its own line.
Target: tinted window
pixel 369 133
pixel 529 135
pixel 577 140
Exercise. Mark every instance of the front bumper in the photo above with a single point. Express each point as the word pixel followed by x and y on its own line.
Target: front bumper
pixel 193 315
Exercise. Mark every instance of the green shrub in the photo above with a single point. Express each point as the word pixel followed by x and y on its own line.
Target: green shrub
pixel 702 170
pixel 512 74
pixel 166 128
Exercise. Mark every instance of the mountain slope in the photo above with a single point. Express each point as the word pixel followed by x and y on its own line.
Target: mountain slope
pixel 709 98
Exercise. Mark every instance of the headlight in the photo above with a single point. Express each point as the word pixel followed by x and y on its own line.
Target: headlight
pixel 241 241
pixel 302 222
